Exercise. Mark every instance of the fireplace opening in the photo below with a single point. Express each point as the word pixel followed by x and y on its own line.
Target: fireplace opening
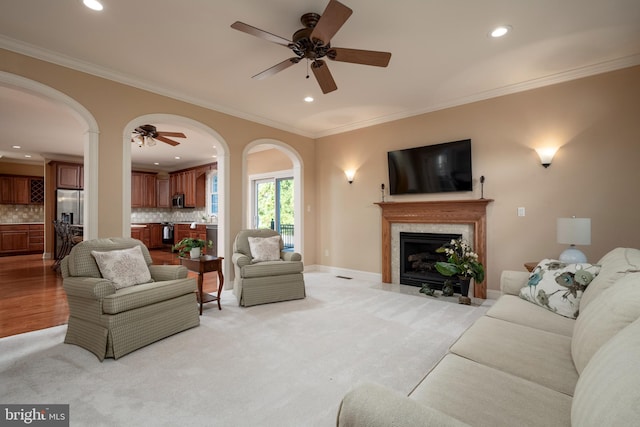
pixel 418 259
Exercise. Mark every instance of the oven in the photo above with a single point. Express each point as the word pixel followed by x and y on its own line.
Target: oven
pixel 167 233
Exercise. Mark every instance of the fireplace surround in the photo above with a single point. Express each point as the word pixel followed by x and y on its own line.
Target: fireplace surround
pixel 451 213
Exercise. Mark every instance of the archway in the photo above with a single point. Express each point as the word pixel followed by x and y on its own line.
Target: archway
pixel 90 142
pixel 296 160
pixel 223 172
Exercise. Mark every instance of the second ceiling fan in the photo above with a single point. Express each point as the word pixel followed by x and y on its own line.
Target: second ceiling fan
pixel 313 42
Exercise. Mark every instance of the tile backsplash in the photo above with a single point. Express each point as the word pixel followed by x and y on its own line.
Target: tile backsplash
pixel 145 215
pixel 11 214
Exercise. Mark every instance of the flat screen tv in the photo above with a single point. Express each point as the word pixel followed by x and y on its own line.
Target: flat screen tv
pixel 431 169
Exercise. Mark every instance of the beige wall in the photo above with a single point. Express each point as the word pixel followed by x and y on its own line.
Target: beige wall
pixel 114 105
pixel 266 161
pixel 9 168
pixel 595 173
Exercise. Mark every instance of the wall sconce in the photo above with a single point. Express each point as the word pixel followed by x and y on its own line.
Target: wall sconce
pixel 546 155
pixel 350 173
pixel 574 231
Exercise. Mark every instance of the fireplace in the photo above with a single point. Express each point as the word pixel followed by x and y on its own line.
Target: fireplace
pixel 418 258
pixel 440 214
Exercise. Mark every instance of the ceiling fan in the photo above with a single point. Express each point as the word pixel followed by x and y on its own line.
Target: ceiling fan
pixel 313 43
pixel 147 135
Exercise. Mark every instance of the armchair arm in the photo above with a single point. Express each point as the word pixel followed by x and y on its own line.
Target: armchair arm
pixel 240 259
pixel 88 287
pixel 160 273
pixel 290 256
pixel 372 405
pixel 512 281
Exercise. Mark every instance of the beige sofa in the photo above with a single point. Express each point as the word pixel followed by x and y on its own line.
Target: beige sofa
pixel 523 365
pixel 111 321
pixel 277 278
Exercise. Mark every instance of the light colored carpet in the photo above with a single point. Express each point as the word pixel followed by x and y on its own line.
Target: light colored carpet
pixel 282 364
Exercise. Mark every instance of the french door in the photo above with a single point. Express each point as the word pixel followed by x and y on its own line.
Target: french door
pixel 273 206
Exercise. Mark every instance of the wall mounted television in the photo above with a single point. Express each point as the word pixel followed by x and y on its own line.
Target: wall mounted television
pixel 434 168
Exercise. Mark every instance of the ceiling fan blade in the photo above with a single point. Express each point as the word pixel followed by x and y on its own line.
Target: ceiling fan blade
pixel 167 140
pixel 332 19
pixel 323 76
pixel 276 68
pixel 358 56
pixel 249 29
pixel 172 134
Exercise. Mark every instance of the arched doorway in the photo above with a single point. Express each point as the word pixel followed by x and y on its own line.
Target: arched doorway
pixel 298 194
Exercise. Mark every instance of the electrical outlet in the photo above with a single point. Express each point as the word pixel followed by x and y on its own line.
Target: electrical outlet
pixel 520 211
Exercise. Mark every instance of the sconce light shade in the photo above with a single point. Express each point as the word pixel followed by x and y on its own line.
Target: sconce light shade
pixel 350 173
pixel 574 231
pixel 546 155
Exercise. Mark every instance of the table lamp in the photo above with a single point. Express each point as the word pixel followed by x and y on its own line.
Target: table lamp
pixel 574 231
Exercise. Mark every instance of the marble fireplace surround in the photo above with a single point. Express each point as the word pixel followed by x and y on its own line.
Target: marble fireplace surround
pixel 465 217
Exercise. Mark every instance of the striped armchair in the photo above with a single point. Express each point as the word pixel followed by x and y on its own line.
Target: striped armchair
pixel 111 320
pixel 259 282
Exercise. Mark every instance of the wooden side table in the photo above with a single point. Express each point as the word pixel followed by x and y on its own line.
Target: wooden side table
pixel 202 265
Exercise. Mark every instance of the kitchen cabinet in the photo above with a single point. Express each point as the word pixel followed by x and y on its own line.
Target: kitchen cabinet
pixel 142 233
pixel 21 190
pixel 69 176
pixel 180 231
pixel 163 193
pixel 193 184
pixel 21 238
pixel 155 236
pixel 143 190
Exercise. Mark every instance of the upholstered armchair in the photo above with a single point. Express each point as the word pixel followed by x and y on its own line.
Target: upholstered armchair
pixel 119 301
pixel 264 273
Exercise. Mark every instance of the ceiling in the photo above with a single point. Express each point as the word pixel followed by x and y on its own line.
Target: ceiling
pixel 441 56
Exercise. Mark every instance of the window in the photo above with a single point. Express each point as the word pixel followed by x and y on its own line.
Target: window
pixel 213 198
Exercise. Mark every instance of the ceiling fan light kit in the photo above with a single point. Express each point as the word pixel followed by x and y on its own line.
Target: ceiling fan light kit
pixel 148 134
pixel 313 42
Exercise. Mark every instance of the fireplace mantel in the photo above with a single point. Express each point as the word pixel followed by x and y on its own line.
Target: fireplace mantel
pixel 473 212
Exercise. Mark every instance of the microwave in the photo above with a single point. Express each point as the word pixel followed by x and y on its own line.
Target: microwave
pixel 178 201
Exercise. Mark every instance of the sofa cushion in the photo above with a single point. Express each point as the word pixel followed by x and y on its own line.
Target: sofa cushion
pixel 558 286
pixel 147 294
pixel 124 267
pixel 264 248
pixel 271 268
pixel 538 356
pixel 614 265
pixel 608 391
pixel 516 310
pixel 615 308
pixel 83 264
pixel 483 396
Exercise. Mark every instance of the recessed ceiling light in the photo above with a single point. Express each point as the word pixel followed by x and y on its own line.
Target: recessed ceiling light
pixel 17 147
pixel 308 99
pixel 156 163
pixel 177 157
pixel 93 4
pixel 500 31
pixel 28 156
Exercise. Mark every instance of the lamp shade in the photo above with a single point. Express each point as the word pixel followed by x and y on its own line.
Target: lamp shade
pixel 574 231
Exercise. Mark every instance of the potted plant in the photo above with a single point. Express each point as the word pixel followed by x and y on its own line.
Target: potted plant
pixel 191 245
pixel 461 262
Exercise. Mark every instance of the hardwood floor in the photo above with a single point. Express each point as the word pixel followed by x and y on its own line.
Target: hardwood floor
pixel 32 297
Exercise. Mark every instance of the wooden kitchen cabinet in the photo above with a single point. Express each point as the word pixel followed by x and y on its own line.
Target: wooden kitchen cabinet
pixel 36 237
pixel 14 238
pixel 70 176
pixel 142 234
pixel 180 231
pixel 193 184
pixel 21 190
pixel 155 236
pixel 143 190
pixel 163 195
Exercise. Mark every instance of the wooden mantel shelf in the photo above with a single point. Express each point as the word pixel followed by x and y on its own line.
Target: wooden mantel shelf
pixel 473 212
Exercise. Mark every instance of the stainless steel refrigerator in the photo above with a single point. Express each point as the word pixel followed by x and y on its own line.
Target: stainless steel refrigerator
pixel 69 209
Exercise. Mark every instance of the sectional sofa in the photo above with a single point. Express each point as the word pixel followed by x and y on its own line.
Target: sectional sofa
pixel 523 364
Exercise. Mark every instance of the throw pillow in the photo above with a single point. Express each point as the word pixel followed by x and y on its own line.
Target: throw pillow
pixel 265 248
pixel 558 287
pixel 124 268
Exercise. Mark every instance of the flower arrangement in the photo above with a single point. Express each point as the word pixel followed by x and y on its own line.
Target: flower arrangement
pixel 461 261
pixel 185 245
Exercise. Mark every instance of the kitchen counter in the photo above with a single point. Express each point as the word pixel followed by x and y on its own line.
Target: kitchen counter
pixel 21 223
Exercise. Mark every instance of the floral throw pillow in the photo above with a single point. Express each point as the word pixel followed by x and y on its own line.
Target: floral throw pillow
pixel 558 287
pixel 265 248
pixel 125 267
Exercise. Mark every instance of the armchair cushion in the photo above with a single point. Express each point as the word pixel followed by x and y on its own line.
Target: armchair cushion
pixel 265 248
pixel 271 268
pixel 124 267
